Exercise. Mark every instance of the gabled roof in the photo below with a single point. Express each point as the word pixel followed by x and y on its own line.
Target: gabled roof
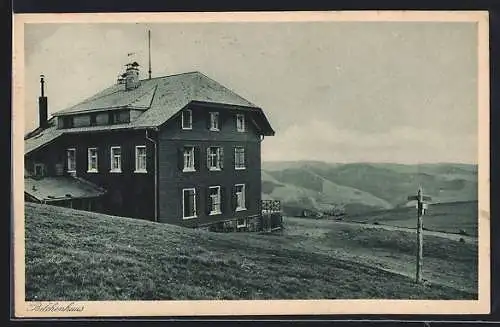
pixel 38 138
pixel 159 98
pixel 164 96
pixel 61 188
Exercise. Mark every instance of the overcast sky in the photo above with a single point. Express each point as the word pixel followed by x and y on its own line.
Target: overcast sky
pixel 333 91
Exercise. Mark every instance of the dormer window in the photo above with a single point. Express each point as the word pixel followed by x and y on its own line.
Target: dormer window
pixel 187 119
pixel 214 121
pixel 240 123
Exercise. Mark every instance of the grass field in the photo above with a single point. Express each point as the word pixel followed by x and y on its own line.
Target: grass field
pixel 74 255
pixel 445 217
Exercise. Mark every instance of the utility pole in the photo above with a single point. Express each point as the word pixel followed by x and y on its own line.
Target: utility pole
pixel 149 52
pixel 421 206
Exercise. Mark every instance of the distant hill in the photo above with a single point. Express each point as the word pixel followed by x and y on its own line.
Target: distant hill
pixel 361 187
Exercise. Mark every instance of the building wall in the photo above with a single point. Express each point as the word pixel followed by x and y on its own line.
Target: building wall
pixel 130 194
pixel 172 180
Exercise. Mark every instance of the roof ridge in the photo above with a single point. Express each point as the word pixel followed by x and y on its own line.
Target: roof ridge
pixel 228 89
pixel 172 75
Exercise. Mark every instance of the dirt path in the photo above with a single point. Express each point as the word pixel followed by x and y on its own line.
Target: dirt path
pixel 450 236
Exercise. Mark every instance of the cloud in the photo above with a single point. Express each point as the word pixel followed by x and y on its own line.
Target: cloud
pixel 321 140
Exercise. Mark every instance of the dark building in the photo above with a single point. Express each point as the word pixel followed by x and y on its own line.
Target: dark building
pixel 180 149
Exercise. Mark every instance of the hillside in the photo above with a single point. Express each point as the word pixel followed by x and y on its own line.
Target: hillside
pixel 363 187
pixel 76 255
pixel 455 218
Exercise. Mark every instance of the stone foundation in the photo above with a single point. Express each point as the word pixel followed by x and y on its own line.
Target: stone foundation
pixel 247 224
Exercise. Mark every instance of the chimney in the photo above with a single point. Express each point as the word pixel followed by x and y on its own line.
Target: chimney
pixel 42 105
pixel 132 76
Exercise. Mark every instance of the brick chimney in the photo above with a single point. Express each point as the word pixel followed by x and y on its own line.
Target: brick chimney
pixel 42 105
pixel 132 76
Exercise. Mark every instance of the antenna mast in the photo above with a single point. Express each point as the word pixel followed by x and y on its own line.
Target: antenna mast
pixel 149 52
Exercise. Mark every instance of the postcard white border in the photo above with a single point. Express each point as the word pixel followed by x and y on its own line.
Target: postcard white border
pixel 264 307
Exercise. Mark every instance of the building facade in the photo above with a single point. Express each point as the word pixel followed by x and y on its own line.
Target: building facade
pixel 178 149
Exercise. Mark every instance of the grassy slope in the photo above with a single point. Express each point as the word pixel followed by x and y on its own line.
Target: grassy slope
pixel 305 189
pixel 444 217
pixel 73 255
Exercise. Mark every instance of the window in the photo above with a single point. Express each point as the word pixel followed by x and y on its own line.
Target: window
pixel 71 160
pixel 81 120
pixel 214 199
pixel 241 223
pixel 215 158
pixel 92 160
pixel 187 119
pixel 140 159
pixel 240 197
pixel 39 169
pixel 240 123
pixel 214 121
pixel 239 158
pixel 188 203
pixel 188 158
pixel 116 159
pixel 67 122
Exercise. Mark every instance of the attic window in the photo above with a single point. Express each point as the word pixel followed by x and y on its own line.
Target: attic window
pixel 214 121
pixel 240 123
pixel 68 122
pixel 187 119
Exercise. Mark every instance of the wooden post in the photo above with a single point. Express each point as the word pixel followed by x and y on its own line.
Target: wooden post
pixel 420 233
pixel 420 239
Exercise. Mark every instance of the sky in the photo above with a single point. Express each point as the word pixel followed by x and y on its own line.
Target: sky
pixel 401 92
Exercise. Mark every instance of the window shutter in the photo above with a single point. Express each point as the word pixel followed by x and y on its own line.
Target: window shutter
pixel 209 202
pixel 197 158
pixel 247 197
pixel 245 157
pixel 233 158
pixel 221 158
pixel 222 199
pixel 180 158
pixel 208 158
pixel 196 202
pixel 234 199
pixel 209 120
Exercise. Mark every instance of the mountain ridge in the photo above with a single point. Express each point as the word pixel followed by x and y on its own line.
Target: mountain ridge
pixel 361 187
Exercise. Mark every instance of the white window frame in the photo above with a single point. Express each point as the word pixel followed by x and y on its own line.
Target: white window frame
pixel 89 160
pixel 43 169
pixel 236 166
pixel 70 168
pixel 218 211
pixel 184 159
pixel 184 203
pixel 111 154
pixel 190 119
pixel 238 207
pixel 137 168
pixel 214 121
pixel 240 127
pixel 216 157
pixel 238 225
